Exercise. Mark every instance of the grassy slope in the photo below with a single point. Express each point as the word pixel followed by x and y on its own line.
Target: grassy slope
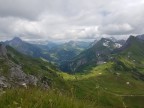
pixel 59 95
pixel 104 88
pixel 36 98
pixel 38 68
pixel 101 87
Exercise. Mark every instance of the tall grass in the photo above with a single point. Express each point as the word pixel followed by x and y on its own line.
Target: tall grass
pixel 37 98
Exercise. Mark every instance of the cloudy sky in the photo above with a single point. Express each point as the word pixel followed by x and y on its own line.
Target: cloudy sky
pixel 70 19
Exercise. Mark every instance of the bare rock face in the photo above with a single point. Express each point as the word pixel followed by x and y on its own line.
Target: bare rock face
pixel 14 76
pixel 16 72
pixel 3 51
pixel 32 80
pixel 4 82
pixel 18 75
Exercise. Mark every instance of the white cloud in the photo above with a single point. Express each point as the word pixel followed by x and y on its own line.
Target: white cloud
pixel 116 29
pixel 70 19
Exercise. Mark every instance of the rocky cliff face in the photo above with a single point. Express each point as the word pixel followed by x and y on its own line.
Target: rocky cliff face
pixel 11 74
pixel 17 77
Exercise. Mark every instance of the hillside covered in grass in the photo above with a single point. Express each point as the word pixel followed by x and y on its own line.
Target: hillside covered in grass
pixel 107 87
pixel 102 87
pixel 117 83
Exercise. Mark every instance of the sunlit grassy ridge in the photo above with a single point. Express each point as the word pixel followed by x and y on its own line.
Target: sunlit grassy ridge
pixel 107 85
pixel 99 70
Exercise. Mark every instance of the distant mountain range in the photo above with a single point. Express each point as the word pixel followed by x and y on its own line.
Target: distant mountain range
pixel 103 51
pixel 27 48
pixel 97 54
pixel 52 52
pixel 74 56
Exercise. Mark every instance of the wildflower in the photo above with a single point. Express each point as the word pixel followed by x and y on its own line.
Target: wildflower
pixel 15 103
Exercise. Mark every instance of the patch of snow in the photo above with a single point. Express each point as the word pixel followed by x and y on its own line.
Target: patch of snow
pixel 106 43
pixel 117 45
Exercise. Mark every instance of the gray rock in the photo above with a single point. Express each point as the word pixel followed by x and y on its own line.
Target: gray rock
pixel 32 80
pixel 4 83
pixel 3 50
pixel 16 72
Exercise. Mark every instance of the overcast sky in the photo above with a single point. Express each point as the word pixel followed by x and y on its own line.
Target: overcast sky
pixel 70 19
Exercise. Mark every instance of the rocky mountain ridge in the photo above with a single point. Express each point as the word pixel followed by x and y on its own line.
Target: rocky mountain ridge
pixel 18 70
pixel 96 55
pixel 14 74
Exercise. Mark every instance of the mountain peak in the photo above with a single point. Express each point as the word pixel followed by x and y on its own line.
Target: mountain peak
pixel 17 39
pixel 112 39
pixel 105 39
pixel 132 40
pixel 129 41
pixel 72 42
pixel 141 37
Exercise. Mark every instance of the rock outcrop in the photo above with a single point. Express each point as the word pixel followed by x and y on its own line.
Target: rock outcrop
pixel 3 51
pixel 11 74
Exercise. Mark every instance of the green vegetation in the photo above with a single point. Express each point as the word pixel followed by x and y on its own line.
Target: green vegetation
pixel 134 101
pixel 118 83
pixel 37 67
pixel 90 57
pixel 37 98
pixel 4 68
pixel 106 87
pixel 102 87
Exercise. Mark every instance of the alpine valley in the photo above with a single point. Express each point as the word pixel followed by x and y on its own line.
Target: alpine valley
pixel 106 73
